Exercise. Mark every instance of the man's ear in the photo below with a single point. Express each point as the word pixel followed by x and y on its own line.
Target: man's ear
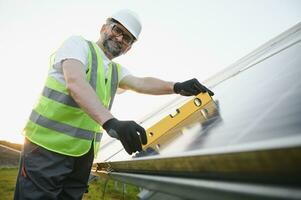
pixel 103 28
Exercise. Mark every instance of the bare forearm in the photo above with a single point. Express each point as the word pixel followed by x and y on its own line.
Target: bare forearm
pixel 155 86
pixel 82 92
pixel 87 99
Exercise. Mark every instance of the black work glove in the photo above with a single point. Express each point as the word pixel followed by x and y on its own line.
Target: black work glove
pixel 127 133
pixel 191 87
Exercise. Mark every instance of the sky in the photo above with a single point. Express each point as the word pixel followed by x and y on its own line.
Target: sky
pixel 179 40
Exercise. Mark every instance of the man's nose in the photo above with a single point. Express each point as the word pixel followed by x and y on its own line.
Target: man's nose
pixel 119 37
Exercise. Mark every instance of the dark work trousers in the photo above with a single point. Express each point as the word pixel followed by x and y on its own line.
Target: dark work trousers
pixel 47 175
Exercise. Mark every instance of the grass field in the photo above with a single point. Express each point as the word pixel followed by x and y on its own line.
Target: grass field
pixel 113 190
pixel 7 183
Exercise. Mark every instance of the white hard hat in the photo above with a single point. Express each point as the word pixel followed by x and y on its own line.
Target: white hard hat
pixel 129 20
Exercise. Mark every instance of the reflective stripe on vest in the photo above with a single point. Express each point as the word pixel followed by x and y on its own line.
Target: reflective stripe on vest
pixel 67 100
pixel 63 128
pixel 59 97
pixel 114 83
pixel 93 77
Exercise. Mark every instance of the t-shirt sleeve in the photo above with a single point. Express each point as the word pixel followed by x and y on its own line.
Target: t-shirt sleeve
pixel 124 72
pixel 74 47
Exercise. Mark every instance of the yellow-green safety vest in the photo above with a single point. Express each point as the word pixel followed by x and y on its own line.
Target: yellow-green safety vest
pixel 58 124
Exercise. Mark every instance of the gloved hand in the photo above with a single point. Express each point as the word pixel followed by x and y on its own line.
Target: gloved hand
pixel 191 87
pixel 127 133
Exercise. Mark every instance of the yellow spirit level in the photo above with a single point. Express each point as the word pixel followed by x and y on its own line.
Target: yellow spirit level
pixel 196 108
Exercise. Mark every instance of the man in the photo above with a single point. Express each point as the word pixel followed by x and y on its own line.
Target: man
pixel 64 129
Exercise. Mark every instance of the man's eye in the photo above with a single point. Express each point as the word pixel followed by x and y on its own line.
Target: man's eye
pixel 118 30
pixel 127 39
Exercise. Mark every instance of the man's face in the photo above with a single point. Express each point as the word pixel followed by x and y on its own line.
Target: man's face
pixel 116 39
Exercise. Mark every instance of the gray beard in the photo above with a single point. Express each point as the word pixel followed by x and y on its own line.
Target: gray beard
pixel 109 44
